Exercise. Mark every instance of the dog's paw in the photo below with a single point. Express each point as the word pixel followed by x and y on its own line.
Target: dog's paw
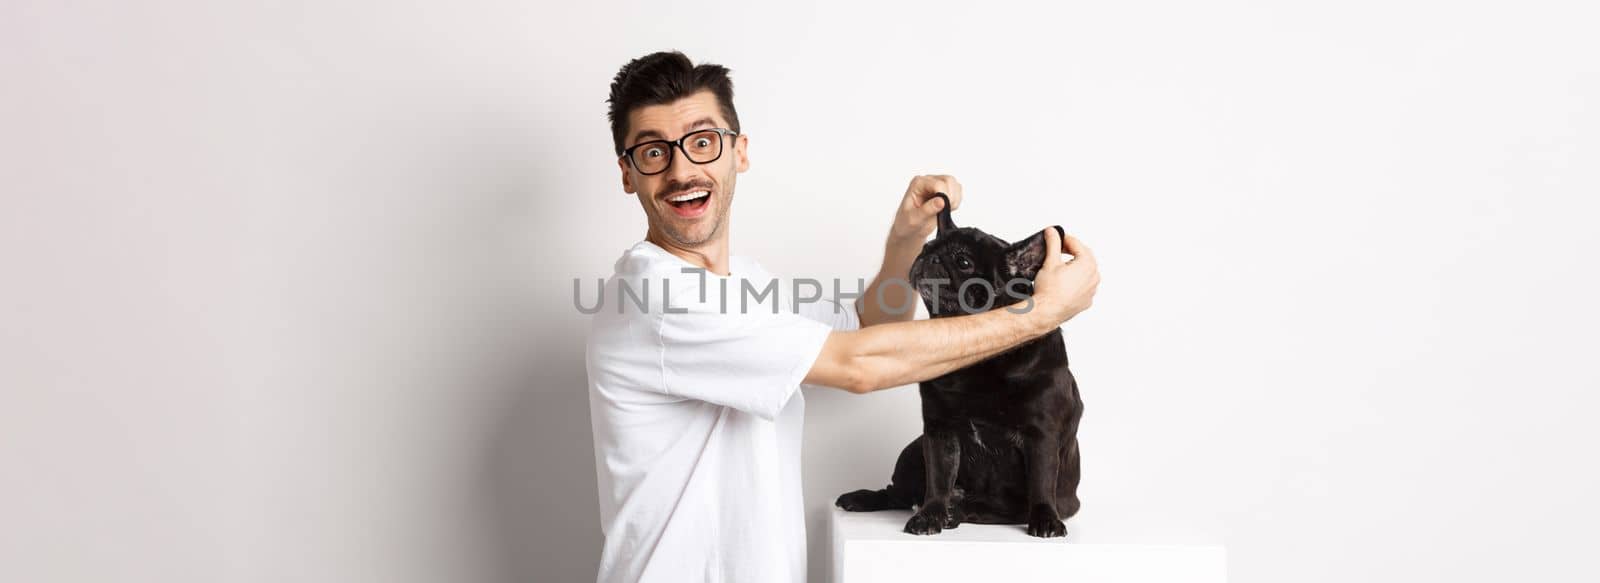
pixel 1043 523
pixel 860 501
pixel 953 516
pixel 925 523
pixel 933 518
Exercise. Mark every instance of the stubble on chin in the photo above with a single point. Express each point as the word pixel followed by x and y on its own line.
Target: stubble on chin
pixel 719 221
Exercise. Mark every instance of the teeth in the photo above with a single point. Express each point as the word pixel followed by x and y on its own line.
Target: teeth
pixel 689 196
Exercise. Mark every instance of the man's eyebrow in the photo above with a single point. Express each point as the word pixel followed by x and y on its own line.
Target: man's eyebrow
pixel 655 135
pixel 704 121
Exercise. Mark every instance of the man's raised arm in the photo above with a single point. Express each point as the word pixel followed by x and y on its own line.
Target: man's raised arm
pixel 890 298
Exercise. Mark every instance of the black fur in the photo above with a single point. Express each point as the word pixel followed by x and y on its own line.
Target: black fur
pixel 1001 434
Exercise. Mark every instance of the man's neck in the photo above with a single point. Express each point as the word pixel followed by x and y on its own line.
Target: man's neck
pixel 711 255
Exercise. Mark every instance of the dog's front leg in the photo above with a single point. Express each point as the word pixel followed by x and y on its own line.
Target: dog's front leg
pixel 941 450
pixel 1044 465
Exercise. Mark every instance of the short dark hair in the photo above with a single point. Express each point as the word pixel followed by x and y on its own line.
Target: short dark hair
pixel 661 78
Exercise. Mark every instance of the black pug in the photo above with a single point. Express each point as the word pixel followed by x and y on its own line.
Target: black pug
pixel 999 440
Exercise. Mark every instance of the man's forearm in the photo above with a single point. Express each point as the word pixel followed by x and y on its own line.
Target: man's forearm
pixel 898 353
pixel 890 297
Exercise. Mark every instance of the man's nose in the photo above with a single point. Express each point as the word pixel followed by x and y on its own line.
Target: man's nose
pixel 680 167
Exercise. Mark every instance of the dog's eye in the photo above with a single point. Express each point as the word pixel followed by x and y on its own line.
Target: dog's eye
pixel 963 264
pixel 934 259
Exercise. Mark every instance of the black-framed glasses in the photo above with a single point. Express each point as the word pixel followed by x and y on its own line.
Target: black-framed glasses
pixel 655 156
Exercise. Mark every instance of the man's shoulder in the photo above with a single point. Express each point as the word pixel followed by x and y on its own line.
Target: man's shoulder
pixel 643 259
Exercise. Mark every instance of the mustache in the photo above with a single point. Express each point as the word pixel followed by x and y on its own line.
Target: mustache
pixel 680 187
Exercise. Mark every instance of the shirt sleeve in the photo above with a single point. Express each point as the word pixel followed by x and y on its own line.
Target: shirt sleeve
pixel 752 362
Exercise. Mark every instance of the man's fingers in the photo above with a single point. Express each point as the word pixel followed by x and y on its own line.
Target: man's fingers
pixel 1078 250
pixel 1052 247
pixel 923 188
pixel 954 192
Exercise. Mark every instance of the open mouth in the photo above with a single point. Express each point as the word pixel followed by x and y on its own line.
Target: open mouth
pixel 690 204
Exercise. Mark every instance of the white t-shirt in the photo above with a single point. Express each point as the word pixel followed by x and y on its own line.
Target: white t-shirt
pixel 697 420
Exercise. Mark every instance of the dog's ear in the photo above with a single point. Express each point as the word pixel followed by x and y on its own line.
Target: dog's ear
pixel 1025 257
pixel 946 224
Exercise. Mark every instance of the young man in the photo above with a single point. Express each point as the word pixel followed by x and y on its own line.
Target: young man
pixel 693 388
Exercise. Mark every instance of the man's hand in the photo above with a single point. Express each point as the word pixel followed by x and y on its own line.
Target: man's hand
pixel 1063 290
pixel 916 218
pixel 919 210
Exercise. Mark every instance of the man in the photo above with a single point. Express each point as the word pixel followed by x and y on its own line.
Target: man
pixel 693 390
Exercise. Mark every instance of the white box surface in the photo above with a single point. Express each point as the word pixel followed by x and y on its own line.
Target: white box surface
pixel 869 547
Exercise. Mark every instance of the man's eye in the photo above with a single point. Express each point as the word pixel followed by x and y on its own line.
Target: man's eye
pixel 653 152
pixel 702 142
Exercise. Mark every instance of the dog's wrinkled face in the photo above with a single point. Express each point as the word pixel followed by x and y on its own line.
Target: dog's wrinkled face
pixel 964 270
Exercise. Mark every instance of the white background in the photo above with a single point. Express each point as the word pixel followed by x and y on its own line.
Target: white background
pixel 287 286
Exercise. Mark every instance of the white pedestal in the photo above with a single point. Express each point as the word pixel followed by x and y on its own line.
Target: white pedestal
pixel 869 547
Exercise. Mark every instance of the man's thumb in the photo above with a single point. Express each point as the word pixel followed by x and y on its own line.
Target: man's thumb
pixel 1052 246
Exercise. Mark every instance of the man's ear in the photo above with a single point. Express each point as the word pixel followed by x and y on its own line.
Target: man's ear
pixel 741 147
pixel 1025 257
pixel 627 177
